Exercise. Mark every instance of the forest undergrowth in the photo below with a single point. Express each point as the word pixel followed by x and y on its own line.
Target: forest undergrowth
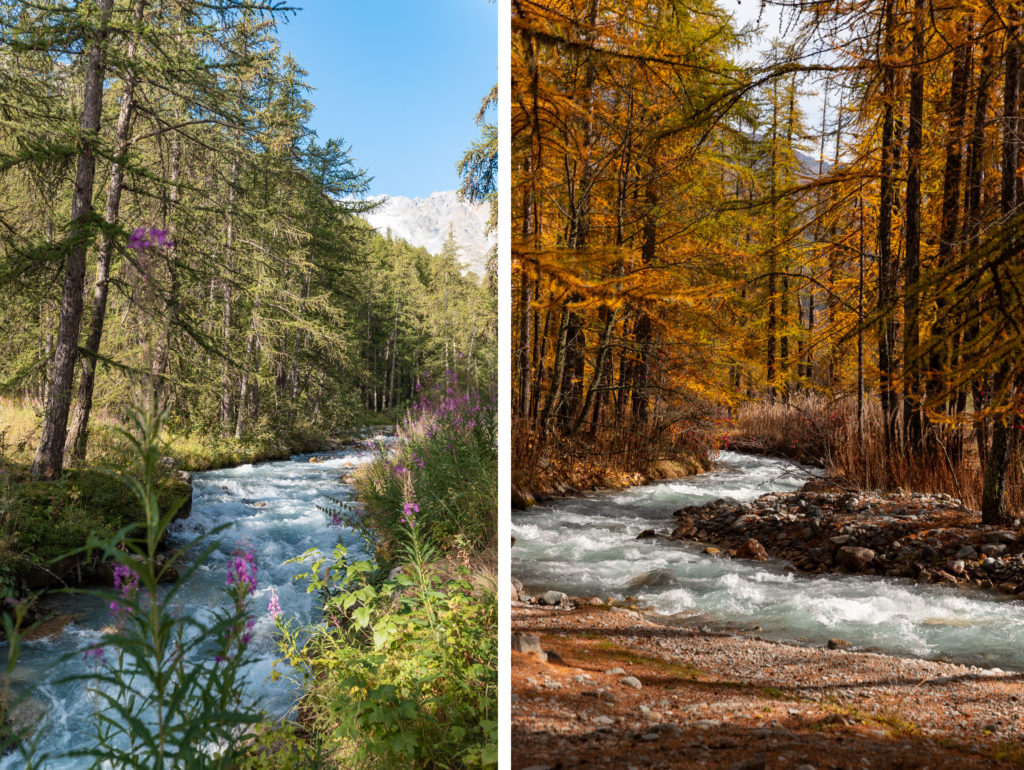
pixel 822 431
pixel 402 670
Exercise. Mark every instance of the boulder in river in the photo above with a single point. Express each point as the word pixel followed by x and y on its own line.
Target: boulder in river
pixel 752 549
pixel 685 528
pixel 552 598
pixel 655 577
pixel 854 558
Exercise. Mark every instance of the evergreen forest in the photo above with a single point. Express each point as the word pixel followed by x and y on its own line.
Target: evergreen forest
pixel 267 307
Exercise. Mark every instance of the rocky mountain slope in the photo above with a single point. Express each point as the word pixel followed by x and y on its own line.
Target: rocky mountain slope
pixel 425 222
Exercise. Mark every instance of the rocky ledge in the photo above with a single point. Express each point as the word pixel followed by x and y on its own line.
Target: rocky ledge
pixel 930 538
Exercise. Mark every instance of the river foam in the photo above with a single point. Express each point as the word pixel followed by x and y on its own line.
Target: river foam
pixel 587 546
pixel 274 508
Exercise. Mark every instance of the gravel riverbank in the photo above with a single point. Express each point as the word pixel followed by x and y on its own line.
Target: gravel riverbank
pixel 607 687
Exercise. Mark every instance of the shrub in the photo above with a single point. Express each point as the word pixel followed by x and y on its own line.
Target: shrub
pixel 401 673
pixel 446 462
pixel 402 669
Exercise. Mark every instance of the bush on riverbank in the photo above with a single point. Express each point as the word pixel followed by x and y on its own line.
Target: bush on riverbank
pixel 402 672
pixel 548 464
pixel 812 428
pixel 43 520
pixel 445 462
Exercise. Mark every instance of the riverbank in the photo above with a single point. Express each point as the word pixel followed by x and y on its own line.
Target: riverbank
pixel 566 477
pixel 822 528
pixel 407 677
pixel 614 689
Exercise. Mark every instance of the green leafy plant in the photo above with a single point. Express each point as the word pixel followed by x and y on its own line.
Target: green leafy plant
pixel 168 688
pixel 402 671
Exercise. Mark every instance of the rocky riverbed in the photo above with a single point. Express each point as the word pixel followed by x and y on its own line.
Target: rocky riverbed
pixel 607 687
pixel 930 538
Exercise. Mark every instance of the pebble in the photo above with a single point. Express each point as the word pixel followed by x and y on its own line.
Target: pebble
pixel 631 681
pixel 706 724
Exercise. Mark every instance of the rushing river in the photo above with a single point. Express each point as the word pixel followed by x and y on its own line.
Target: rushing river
pixel 272 508
pixel 587 546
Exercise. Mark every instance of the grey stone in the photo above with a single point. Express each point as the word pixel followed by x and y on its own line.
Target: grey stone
pixel 616 672
pixel 967 552
pixel 526 643
pixel 631 681
pixel 552 598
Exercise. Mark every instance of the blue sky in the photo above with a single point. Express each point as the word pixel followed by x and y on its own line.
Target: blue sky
pixel 399 80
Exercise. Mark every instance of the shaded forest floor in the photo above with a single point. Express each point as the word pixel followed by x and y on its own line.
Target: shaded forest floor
pixel 719 701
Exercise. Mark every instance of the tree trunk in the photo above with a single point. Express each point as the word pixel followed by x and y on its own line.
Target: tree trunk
pixel 886 267
pixel 78 432
pixel 938 360
pixel 49 459
pixel 912 414
pixel 993 504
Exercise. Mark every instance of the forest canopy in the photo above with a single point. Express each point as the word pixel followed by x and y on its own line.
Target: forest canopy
pixel 686 243
pixel 168 215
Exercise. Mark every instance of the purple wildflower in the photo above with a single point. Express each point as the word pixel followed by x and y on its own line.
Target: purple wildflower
pixel 94 655
pixel 126 583
pixel 274 608
pixel 408 509
pixel 144 238
pixel 247 636
pixel 242 571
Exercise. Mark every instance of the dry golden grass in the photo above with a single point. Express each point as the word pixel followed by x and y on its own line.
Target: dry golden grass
pixel 813 428
pixel 19 430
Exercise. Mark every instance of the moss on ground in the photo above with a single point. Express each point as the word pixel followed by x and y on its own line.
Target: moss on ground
pixel 42 521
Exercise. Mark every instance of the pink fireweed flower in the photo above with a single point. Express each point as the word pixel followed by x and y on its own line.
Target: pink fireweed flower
pixel 242 571
pixel 148 237
pixel 408 509
pixel 247 636
pixel 274 608
pixel 94 655
pixel 126 584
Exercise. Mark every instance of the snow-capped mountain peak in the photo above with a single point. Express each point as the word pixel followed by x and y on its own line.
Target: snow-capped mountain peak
pixel 425 222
